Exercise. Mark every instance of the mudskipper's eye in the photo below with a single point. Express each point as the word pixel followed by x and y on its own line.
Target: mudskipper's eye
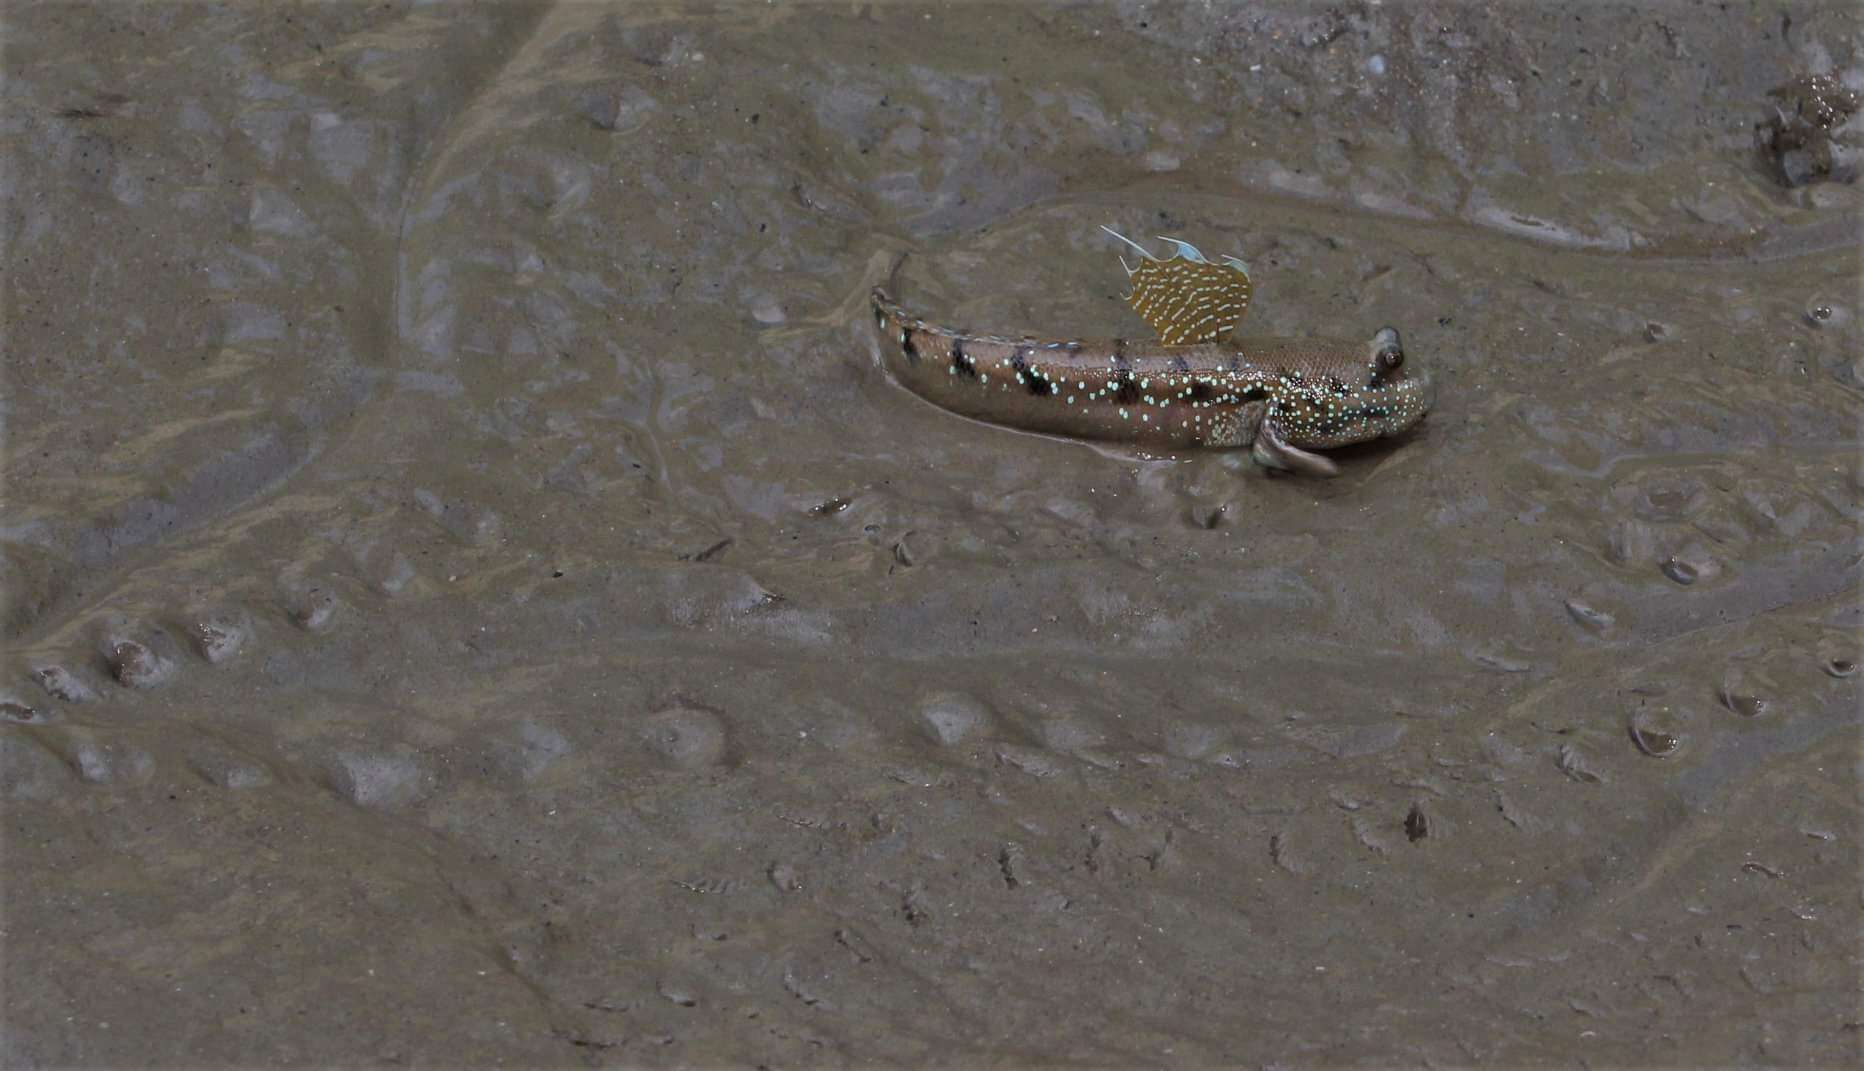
pixel 1390 360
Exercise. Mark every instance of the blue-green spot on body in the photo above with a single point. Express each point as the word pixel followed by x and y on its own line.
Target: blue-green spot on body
pixel 1281 397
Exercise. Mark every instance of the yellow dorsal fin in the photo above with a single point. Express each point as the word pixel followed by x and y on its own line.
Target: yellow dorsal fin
pixel 1185 297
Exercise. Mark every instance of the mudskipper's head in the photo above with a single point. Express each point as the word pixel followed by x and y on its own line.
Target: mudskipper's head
pixel 1384 395
pixel 1397 393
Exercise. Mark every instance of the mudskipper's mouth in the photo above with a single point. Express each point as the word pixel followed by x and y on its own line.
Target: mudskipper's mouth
pixel 1419 396
pixel 1426 393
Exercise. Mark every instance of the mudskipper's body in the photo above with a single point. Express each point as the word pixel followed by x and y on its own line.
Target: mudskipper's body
pixel 1196 386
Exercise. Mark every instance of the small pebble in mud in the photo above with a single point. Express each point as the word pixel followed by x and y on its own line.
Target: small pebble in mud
pixel 1593 619
pixel 1809 138
pixel 1512 814
pixel 1281 853
pixel 1366 832
pixel 1346 800
pixel 765 310
pixel 784 877
pixel 952 717
pixel 1572 763
pixel 13 710
pixel 713 552
pixel 617 112
pixel 1499 661
pixel 1209 515
pixel 229 771
pixel 62 684
pixel 903 551
pixel 1687 571
pixel 314 610
pixel 136 665
pixel 1034 762
pixel 1655 332
pixel 375 780
pixel 219 636
pixel 685 736
pixel 678 994
pixel 1497 750
pixel 103 764
pixel 1631 541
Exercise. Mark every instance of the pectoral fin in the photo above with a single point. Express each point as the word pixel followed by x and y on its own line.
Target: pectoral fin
pixel 1185 297
pixel 1272 451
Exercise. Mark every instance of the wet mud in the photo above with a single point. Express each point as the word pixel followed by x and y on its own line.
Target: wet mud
pixel 473 594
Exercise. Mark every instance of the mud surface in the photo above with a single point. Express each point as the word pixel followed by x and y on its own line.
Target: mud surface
pixel 472 595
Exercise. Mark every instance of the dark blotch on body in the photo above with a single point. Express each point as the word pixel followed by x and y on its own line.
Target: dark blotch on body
pixel 1125 391
pixel 1034 382
pixel 959 362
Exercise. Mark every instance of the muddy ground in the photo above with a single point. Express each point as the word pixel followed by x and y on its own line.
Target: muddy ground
pixel 472 597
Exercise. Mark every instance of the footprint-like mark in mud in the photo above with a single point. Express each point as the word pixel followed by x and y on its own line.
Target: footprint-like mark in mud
pixel 63 685
pixel 685 737
pixel 951 718
pixel 144 660
pixel 377 779
pixel 218 635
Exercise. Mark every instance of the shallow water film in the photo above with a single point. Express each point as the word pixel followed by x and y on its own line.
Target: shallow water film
pixel 474 593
